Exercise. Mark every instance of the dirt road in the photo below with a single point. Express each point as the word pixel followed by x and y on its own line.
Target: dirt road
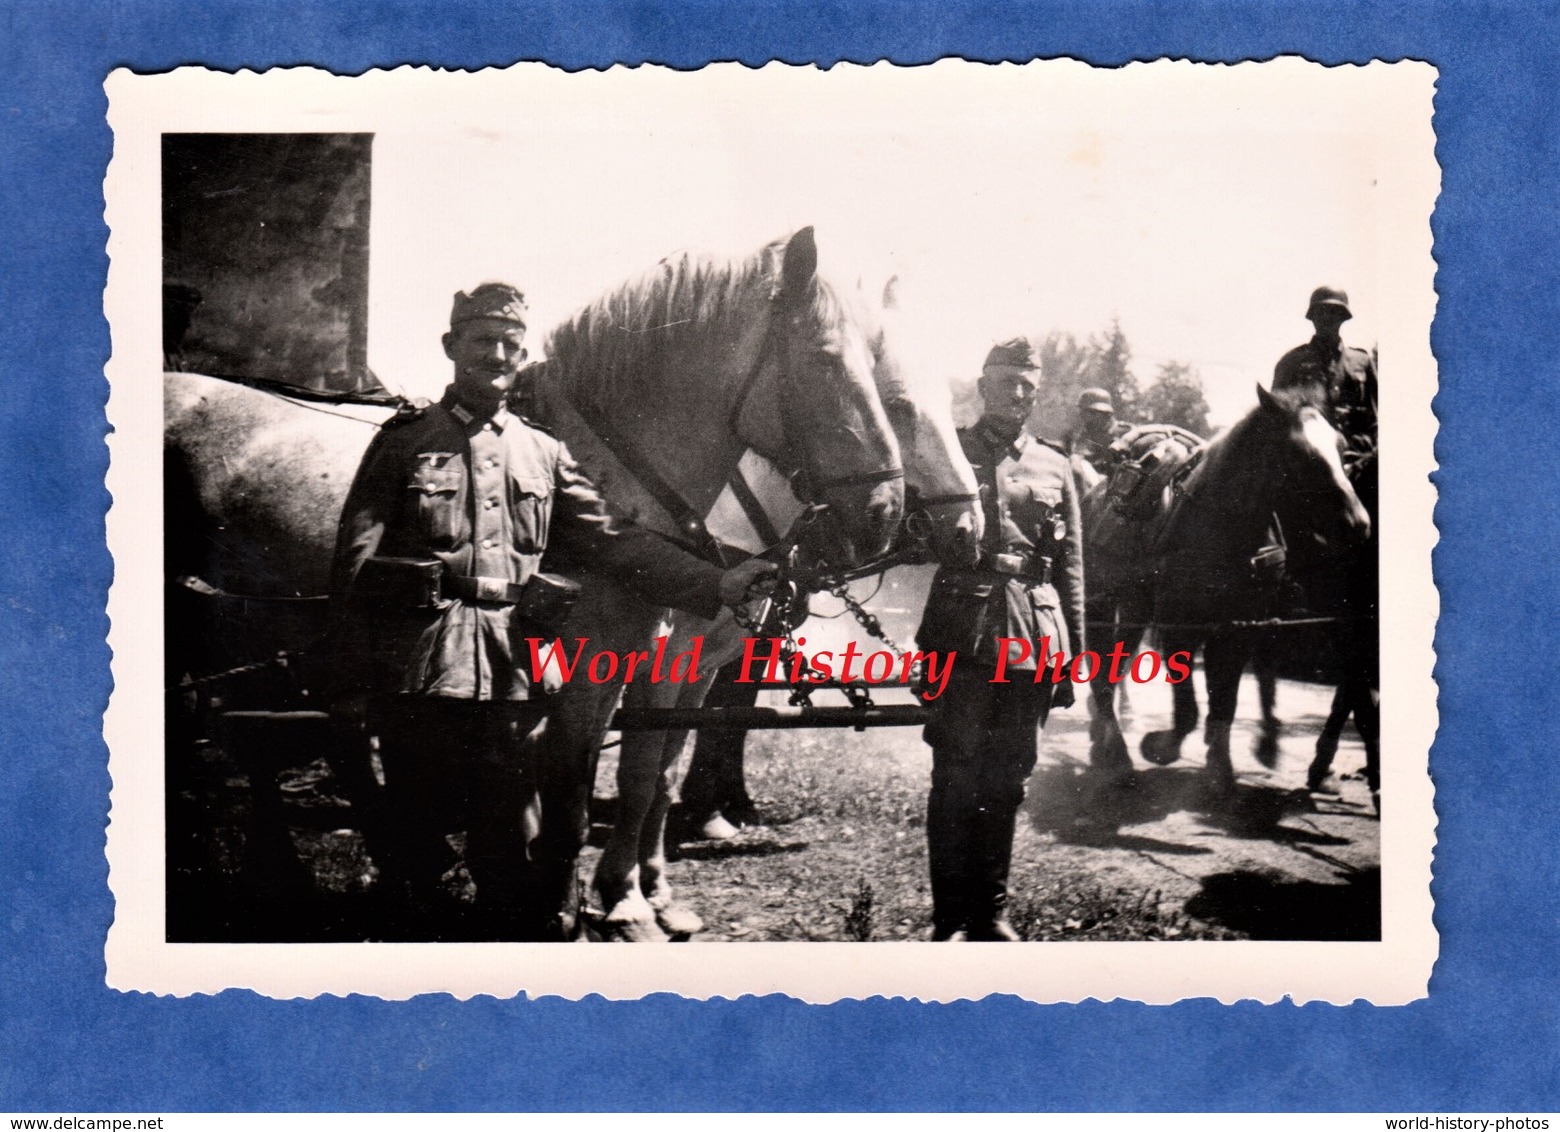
pixel 844 856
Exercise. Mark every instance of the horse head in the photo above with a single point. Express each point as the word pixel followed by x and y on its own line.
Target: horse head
pixel 1314 491
pixel 942 498
pixel 834 438
pixel 1282 458
pixel 671 386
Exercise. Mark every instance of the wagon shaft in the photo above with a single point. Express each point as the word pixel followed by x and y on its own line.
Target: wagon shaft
pixel 772 718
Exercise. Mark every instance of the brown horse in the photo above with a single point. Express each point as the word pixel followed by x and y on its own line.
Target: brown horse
pixel 1208 559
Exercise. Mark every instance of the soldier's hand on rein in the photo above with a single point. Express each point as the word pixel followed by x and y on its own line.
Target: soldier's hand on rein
pixel 746 582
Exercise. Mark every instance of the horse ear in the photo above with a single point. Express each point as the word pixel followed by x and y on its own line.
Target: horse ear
pixel 1268 401
pixel 891 293
pixel 799 265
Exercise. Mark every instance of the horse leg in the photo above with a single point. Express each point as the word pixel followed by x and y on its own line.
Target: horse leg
pixel 1109 760
pixel 1367 720
pixel 1343 705
pixel 1224 658
pixel 721 639
pixel 1164 747
pixel 673 916
pixel 714 791
pixel 1265 749
pixel 629 916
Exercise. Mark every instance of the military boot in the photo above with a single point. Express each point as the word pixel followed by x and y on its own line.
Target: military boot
pixel 988 905
pixel 948 851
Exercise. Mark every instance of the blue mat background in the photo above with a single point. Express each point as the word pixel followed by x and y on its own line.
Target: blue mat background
pixel 1487 1037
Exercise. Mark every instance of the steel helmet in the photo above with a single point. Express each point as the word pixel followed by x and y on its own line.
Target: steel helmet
pixel 1329 297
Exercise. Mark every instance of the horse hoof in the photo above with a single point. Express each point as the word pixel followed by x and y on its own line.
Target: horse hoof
pixel 677 919
pixel 632 931
pixel 630 919
pixel 717 828
pixel 1265 749
pixel 1161 747
pixel 744 814
pixel 1322 784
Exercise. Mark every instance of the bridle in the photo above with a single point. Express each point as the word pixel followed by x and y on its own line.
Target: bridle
pixel 805 485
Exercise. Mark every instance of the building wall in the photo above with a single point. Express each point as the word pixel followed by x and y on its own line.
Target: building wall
pixel 265 257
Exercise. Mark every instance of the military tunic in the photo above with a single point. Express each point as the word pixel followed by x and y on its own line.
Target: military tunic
pixel 1029 584
pixel 1340 380
pixel 1030 580
pixel 489 499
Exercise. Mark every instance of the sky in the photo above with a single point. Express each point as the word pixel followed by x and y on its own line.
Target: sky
pixel 1198 205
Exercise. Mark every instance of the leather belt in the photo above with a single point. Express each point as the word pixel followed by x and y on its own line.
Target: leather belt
pixel 482 588
pixel 1033 568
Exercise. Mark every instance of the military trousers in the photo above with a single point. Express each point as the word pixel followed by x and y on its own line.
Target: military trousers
pixel 452 766
pixel 984 740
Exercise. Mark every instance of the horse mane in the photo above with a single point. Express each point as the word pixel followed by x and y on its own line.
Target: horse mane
pixel 618 344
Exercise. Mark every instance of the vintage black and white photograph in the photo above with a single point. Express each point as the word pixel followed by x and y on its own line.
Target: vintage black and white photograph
pixel 806 509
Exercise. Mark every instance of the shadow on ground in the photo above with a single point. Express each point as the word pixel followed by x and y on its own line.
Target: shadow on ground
pixel 1076 811
pixel 1269 907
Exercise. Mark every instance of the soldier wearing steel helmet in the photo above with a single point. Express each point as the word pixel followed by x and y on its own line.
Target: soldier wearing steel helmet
pixel 1096 429
pixel 1027 584
pixel 1339 379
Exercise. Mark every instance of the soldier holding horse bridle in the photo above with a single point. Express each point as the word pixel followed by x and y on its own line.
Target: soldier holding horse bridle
pixel 468 498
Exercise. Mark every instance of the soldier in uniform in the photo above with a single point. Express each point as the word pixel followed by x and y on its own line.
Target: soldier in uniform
pixel 1091 438
pixel 438 576
pixel 1339 379
pixel 1028 583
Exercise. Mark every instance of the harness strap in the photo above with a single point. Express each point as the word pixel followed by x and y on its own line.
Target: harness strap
pixel 937 500
pixel 690 523
pixel 882 475
pixel 753 508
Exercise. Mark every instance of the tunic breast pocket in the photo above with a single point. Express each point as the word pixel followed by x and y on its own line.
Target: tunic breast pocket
pixel 434 491
pixel 530 502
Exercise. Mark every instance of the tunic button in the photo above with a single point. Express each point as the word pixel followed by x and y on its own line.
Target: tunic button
pixel 487 544
pixel 490 503
pixel 487 426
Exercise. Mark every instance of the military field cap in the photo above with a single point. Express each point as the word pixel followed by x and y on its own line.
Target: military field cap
pixel 1329 297
pixel 490 300
pixel 1019 353
pixel 1096 400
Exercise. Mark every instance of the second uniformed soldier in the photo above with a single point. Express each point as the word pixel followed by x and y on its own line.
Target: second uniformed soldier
pixel 1095 430
pixel 439 575
pixel 1339 379
pixel 1028 584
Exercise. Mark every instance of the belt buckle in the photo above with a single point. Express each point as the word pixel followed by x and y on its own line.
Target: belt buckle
pixel 492 589
pixel 1007 563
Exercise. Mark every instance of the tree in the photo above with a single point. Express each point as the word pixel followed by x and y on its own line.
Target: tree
pixel 1176 397
pixel 1070 367
pixel 1111 371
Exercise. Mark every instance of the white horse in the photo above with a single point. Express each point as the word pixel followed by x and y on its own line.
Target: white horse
pixel 631 877
pixel 662 389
